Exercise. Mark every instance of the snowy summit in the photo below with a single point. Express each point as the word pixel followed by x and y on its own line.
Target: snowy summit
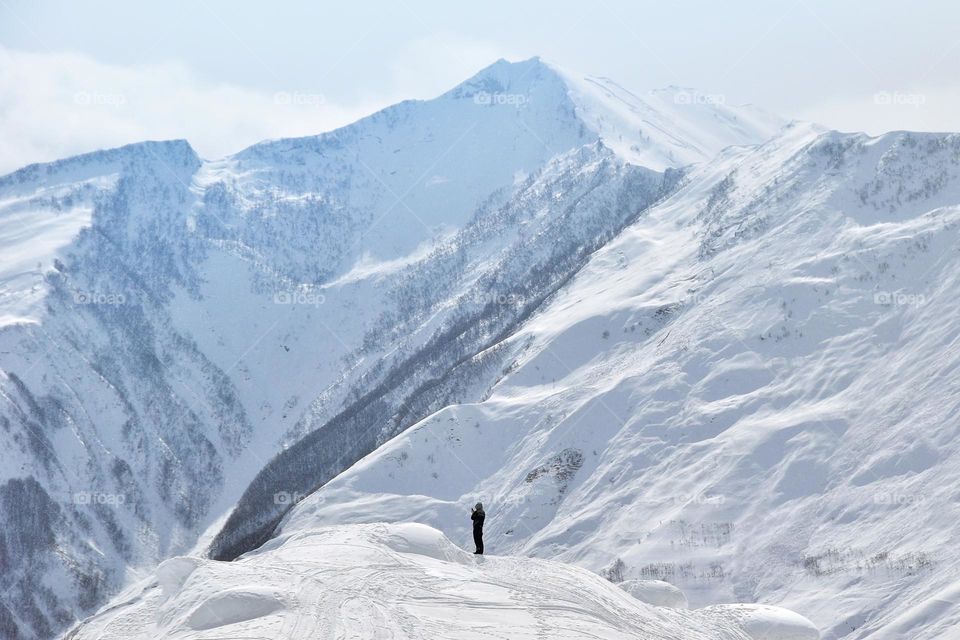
pixel 407 581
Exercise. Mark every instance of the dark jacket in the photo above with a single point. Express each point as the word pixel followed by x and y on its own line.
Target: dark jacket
pixel 477 516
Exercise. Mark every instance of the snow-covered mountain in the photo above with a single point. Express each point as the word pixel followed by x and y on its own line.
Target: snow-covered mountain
pixel 169 324
pixel 662 338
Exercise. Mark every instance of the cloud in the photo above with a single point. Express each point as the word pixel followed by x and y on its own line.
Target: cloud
pixel 54 105
pixel 890 109
pixel 431 64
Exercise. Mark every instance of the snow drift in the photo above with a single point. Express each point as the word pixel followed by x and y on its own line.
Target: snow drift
pixel 407 580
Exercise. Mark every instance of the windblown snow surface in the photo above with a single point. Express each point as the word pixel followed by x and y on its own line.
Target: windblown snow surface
pixel 406 581
pixel 750 393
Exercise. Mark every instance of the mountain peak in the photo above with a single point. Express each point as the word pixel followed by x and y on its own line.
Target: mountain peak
pixel 558 107
pixel 669 127
pixel 504 76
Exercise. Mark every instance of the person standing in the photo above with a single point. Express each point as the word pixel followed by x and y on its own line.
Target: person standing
pixel 477 515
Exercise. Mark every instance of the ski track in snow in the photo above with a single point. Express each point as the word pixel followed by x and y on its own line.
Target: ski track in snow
pixel 407 581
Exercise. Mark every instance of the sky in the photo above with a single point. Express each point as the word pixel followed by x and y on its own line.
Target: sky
pixel 78 76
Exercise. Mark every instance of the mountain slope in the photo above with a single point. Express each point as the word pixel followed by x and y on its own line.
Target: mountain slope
pixel 170 324
pixel 746 393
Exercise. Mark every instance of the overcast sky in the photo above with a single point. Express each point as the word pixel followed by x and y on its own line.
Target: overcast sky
pixel 77 76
